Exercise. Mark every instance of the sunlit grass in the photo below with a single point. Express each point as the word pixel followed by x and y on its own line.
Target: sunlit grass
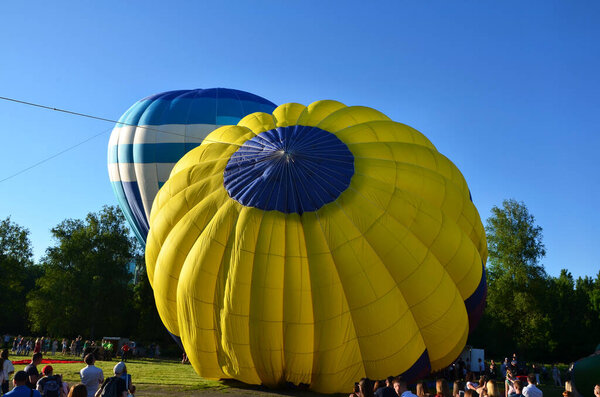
pixel 143 371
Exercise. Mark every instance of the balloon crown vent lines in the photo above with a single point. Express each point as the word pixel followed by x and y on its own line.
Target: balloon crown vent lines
pixel 289 169
pixel 79 143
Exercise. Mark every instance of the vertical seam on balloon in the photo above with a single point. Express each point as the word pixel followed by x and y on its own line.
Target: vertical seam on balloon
pixel 281 323
pixel 252 275
pixel 418 238
pixel 216 104
pixel 407 226
pixel 180 267
pixel 228 282
pixel 198 240
pixel 361 363
pixel 382 263
pixel 317 353
pixel 217 331
pixel 240 102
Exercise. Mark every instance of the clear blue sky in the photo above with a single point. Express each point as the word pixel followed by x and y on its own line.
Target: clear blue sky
pixel 508 90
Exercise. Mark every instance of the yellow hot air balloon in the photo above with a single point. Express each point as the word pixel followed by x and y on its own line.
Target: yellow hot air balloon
pixel 317 245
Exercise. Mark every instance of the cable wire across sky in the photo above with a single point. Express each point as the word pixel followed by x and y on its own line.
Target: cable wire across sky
pixel 82 142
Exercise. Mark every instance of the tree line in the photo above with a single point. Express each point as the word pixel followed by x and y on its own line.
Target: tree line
pixel 84 284
pixel 92 282
pixel 544 318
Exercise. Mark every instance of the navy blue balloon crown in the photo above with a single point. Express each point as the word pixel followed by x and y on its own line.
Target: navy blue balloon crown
pixel 293 169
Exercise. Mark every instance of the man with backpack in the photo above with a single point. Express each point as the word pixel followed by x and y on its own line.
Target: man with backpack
pixel 50 385
pixel 114 386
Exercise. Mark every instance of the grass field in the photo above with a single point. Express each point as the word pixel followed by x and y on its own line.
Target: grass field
pixel 165 377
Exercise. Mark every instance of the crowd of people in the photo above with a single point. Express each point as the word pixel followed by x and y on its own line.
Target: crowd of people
pixel 105 350
pixel 458 380
pixel 29 382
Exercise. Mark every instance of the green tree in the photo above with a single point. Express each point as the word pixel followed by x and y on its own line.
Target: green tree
pixel 149 326
pixel 86 286
pixel 17 274
pixel 517 283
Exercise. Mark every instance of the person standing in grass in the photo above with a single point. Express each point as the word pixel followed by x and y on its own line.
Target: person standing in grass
pixel 7 369
pixel 556 375
pixel 531 389
pixel 32 371
pixel 91 376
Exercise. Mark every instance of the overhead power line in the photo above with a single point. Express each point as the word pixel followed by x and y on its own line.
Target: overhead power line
pixel 54 155
pixel 90 116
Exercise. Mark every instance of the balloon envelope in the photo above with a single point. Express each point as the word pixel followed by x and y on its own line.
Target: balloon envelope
pixel 317 245
pixel 157 131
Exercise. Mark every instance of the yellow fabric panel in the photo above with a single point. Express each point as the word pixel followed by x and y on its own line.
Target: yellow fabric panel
pixel 421 278
pixel 266 300
pixel 428 227
pixel 234 324
pixel 337 358
pixel 377 304
pixel 298 314
pixel 417 156
pixel 360 287
pixel 167 212
pixel 258 122
pixel 434 188
pixel 204 168
pixel 287 114
pixel 226 134
pixel 317 111
pixel 196 291
pixel 169 261
pixel 383 131
pixel 349 116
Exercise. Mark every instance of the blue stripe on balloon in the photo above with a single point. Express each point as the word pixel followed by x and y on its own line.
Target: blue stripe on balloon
pixel 134 201
pixel 120 193
pixel 227 120
pixel 113 154
pixel 210 106
pixel 149 152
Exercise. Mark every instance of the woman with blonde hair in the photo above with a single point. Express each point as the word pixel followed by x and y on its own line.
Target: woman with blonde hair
pixel 421 389
pixel 492 389
pixel 365 388
pixel 441 388
pixel 457 389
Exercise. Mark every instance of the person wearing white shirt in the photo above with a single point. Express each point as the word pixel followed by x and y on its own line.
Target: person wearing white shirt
pixel 91 376
pixel 6 370
pixel 531 389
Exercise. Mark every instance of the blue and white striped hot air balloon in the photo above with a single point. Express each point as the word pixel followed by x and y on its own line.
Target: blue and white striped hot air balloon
pixel 157 131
